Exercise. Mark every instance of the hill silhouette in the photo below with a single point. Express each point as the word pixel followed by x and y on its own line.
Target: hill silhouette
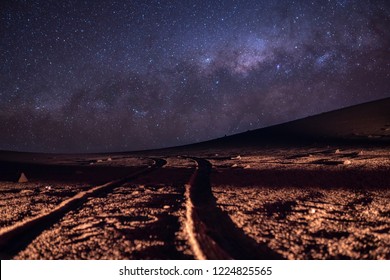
pixel 367 123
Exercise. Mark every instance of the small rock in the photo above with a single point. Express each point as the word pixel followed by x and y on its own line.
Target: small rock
pixel 109 159
pixel 337 151
pixel 247 166
pixel 26 191
pixel 234 165
pixel 22 178
pixel 347 162
pixel 361 153
pixel 166 207
pixel 312 211
pixel 99 160
pixel 48 188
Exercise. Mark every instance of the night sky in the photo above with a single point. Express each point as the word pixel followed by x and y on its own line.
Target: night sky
pixel 90 76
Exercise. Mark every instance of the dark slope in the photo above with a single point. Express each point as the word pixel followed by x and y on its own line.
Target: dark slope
pixel 367 123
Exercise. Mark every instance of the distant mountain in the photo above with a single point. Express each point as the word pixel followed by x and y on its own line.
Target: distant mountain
pixel 367 123
pixel 364 123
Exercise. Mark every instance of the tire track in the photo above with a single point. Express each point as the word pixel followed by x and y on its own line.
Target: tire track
pixel 212 234
pixel 17 237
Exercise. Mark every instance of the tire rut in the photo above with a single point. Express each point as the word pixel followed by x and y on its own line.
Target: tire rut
pixel 19 236
pixel 212 233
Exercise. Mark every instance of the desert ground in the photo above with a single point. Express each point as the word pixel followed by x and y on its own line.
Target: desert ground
pixel 301 196
pixel 270 203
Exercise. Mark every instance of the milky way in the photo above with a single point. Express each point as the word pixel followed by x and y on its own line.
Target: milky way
pixel 89 76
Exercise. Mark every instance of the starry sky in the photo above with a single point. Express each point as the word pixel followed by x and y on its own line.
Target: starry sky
pixel 95 76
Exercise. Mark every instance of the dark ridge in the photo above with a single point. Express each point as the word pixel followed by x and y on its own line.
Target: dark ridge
pixel 363 124
pixel 366 124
